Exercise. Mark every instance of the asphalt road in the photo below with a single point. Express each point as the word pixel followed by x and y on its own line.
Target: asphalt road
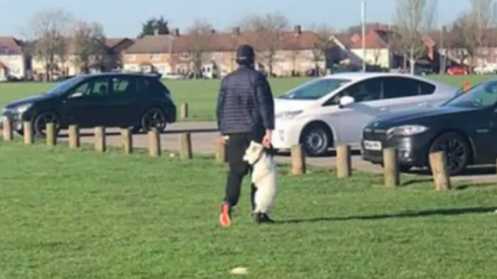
pixel 204 135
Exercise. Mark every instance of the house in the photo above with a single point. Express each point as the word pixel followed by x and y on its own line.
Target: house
pixel 68 65
pixel 175 52
pixel 379 49
pixel 13 61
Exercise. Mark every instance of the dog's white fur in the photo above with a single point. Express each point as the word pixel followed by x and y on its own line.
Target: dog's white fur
pixel 264 176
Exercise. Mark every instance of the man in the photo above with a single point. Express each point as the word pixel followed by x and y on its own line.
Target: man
pixel 245 112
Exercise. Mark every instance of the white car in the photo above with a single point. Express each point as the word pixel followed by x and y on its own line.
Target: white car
pixel 334 109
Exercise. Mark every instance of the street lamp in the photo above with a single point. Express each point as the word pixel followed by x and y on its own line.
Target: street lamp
pixel 363 20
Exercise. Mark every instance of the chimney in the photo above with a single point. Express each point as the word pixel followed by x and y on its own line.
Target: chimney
pixel 298 29
pixel 236 30
pixel 176 32
pixel 156 32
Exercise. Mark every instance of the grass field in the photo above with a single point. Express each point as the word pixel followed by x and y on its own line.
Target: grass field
pixel 199 94
pixel 78 214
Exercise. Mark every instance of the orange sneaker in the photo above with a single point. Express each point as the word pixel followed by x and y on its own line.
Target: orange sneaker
pixel 225 217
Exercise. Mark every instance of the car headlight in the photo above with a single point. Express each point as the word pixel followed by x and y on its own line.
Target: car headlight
pixel 406 130
pixel 286 115
pixel 22 108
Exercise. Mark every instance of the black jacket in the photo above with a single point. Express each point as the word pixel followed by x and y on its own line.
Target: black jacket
pixel 245 103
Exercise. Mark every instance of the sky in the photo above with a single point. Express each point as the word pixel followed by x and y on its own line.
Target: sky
pixel 123 18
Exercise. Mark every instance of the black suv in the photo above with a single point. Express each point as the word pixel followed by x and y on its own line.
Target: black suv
pixel 126 100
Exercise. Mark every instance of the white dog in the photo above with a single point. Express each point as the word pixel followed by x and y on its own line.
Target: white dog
pixel 264 176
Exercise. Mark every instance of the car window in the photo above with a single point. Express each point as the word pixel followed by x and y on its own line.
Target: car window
pixel 143 85
pixel 364 91
pixel 94 87
pixel 481 96
pixel 400 87
pixel 315 89
pixel 122 85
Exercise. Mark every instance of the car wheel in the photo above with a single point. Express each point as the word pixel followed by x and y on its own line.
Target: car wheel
pixel 456 150
pixel 316 140
pixel 41 120
pixel 153 118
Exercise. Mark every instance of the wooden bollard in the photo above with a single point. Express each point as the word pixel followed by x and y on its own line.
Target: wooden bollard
pixel 184 110
pixel 220 150
pixel 298 160
pixel 391 167
pixel 8 134
pixel 185 146
pixel 99 134
pixel 127 141
pixel 28 132
pixel 466 85
pixel 50 134
pixel 74 141
pixel 344 168
pixel 154 143
pixel 439 171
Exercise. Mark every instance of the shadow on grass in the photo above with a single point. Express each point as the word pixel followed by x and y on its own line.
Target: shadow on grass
pixel 414 214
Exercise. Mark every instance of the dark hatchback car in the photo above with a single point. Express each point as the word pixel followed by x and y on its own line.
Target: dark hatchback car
pixel 465 127
pixel 136 101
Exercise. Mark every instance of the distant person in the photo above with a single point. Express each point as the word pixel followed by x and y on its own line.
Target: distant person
pixel 245 113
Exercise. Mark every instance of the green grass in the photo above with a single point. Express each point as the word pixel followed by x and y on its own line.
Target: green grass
pixel 78 214
pixel 201 95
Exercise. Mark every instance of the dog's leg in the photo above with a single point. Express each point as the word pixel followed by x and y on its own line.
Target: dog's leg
pixel 253 191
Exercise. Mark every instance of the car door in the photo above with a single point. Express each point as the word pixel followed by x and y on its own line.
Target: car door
pixel 121 102
pixel 348 122
pixel 86 104
pixel 401 93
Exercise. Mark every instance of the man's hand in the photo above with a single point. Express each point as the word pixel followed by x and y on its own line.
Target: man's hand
pixel 266 140
pixel 224 139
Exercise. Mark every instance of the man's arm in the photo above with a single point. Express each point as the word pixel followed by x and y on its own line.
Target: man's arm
pixel 266 102
pixel 220 102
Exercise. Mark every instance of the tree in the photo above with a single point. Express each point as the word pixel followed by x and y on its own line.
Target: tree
pixel 89 45
pixel 153 25
pixel 413 20
pixel 49 33
pixel 268 33
pixel 199 38
pixel 474 27
pixel 322 44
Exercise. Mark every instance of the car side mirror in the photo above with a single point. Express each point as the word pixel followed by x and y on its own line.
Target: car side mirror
pixel 75 95
pixel 345 101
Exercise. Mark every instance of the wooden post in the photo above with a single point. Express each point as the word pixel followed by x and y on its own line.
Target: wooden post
pixel 50 134
pixel 184 110
pixel 298 160
pixel 439 170
pixel 154 143
pixel 74 141
pixel 185 146
pixel 466 85
pixel 220 150
pixel 28 132
pixel 127 140
pixel 8 134
pixel 344 168
pixel 391 167
pixel 100 144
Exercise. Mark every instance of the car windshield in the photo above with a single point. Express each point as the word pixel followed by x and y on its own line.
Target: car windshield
pixel 315 89
pixel 480 96
pixel 65 85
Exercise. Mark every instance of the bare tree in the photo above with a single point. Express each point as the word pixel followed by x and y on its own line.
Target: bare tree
pixel 475 25
pixel 200 36
pixel 413 20
pixel 376 56
pixel 322 44
pixel 89 45
pixel 48 30
pixel 268 33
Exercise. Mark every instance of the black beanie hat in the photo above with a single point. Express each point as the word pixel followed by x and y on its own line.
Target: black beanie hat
pixel 245 55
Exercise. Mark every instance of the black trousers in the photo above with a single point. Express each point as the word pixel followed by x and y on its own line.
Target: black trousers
pixel 238 169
